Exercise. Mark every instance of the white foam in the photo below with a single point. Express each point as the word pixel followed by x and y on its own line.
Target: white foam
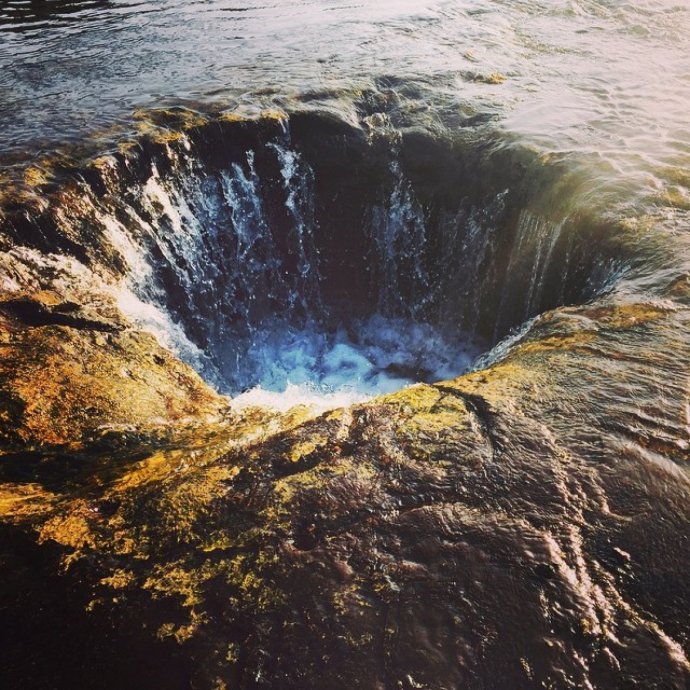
pixel 370 358
pixel 158 322
pixel 308 395
pixel 134 254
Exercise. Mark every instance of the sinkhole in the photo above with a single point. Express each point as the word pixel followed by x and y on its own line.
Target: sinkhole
pixel 313 259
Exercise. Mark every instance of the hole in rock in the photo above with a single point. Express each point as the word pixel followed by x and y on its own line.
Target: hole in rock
pixel 323 262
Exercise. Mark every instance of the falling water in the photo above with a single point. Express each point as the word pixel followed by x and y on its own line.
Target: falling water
pixel 280 292
pixel 224 265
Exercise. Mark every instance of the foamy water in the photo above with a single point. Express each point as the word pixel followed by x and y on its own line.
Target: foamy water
pixel 369 358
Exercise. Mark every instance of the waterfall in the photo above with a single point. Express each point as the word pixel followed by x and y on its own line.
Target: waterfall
pixel 398 234
pixel 270 267
pixel 527 271
pixel 205 249
pixel 547 235
pixel 231 255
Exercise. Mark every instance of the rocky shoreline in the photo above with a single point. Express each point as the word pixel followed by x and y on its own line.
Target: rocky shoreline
pixel 524 525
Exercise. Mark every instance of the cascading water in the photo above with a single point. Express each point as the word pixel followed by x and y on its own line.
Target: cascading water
pixel 316 201
pixel 286 272
pixel 235 268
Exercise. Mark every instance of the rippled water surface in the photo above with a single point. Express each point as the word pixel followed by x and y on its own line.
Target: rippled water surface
pixel 607 77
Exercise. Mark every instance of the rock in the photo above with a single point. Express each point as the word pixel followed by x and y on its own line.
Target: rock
pixel 47 307
pixel 522 526
pixel 456 535
pixel 65 388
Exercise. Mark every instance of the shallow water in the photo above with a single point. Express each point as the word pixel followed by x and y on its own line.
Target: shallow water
pixel 603 78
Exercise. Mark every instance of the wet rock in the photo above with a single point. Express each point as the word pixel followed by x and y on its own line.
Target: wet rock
pixel 72 386
pixel 49 308
pixel 457 535
pixel 523 526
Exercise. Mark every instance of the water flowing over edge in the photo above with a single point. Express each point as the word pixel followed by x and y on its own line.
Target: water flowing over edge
pixel 280 265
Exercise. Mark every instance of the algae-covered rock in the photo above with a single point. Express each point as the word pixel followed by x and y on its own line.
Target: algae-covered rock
pixel 72 378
